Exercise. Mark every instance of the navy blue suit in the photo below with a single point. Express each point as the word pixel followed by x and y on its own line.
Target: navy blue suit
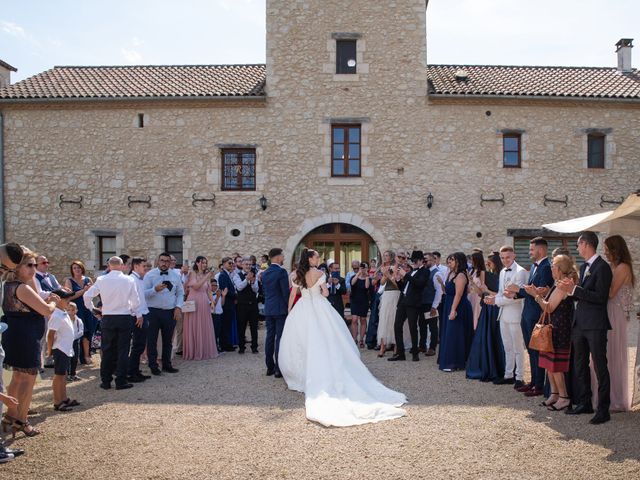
pixel 228 310
pixel 275 282
pixel 540 277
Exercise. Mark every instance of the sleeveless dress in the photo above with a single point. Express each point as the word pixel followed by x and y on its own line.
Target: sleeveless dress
pixel 88 319
pixel 359 299
pixel 562 320
pixel 456 335
pixel 318 357
pixel 474 299
pixel 198 336
pixel 619 309
pixel 21 341
pixel 387 313
pixel 486 360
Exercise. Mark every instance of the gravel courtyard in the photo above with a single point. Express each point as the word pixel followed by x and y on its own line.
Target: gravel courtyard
pixel 225 419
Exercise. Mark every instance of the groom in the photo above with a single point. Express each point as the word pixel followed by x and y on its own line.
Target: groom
pixel 275 282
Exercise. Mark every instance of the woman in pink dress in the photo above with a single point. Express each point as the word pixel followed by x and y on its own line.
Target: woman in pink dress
pixel 619 309
pixel 199 340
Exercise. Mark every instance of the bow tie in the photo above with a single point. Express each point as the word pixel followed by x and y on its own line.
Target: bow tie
pixel 507 270
pixel 164 273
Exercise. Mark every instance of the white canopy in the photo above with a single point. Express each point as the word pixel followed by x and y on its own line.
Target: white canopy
pixel 623 220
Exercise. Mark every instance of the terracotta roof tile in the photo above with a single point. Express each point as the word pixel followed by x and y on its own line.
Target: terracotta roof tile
pixel 141 81
pixel 208 81
pixel 582 82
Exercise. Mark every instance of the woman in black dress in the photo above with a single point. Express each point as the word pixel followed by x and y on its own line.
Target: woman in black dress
pixel 359 299
pixel 24 313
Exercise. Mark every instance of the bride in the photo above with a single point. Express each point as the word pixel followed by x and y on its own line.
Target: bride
pixel 318 357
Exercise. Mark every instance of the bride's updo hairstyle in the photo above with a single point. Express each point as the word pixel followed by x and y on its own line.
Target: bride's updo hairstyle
pixel 303 267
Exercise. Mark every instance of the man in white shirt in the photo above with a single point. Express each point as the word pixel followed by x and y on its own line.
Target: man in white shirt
pixel 509 317
pixel 120 303
pixel 139 338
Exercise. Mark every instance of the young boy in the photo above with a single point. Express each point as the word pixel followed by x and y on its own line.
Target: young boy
pixel 78 329
pixel 60 345
pixel 216 310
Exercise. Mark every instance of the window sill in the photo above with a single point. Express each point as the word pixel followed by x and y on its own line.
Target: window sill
pixel 346 181
pixel 346 77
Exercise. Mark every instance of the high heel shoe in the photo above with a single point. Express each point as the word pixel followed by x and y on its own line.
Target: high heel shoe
pixel 553 408
pixel 545 404
pixel 19 426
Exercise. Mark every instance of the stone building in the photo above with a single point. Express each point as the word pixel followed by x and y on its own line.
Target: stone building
pixel 346 140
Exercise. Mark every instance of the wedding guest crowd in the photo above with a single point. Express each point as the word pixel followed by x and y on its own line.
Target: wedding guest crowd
pixel 477 314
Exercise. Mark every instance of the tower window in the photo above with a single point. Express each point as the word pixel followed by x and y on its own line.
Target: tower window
pixel 346 56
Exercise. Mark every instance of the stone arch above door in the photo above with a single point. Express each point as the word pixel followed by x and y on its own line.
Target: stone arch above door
pixel 350 218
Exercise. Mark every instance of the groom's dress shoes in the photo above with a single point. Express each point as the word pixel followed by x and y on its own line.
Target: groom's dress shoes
pixel 415 357
pixel 579 410
pixel 600 417
pixel 397 358
pixel 270 372
pixel 277 375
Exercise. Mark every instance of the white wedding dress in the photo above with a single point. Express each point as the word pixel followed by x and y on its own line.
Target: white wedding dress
pixel 319 357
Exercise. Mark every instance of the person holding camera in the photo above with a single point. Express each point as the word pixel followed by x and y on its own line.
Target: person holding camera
pixel 247 289
pixel 199 340
pixel 360 284
pixel 165 295
pixel 337 288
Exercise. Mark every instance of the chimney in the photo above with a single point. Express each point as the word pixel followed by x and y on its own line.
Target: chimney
pixel 623 49
pixel 5 74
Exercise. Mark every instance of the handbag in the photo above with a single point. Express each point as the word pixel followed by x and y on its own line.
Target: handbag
pixel 542 335
pixel 189 306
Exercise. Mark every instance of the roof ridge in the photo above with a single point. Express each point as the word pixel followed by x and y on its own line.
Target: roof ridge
pixel 161 66
pixel 566 67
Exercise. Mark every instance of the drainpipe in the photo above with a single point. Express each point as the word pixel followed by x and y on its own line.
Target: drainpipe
pixel 2 239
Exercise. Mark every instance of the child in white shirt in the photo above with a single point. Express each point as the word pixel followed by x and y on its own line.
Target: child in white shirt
pixel 78 328
pixel 60 345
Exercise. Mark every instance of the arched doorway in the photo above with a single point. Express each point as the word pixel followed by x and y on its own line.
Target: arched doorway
pixel 341 242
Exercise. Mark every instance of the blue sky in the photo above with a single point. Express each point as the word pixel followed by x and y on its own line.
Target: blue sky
pixel 35 35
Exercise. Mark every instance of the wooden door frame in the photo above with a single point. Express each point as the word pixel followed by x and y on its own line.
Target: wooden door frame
pixel 338 237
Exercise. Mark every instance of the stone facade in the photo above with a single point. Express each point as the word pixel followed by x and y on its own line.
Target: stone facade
pixel 411 145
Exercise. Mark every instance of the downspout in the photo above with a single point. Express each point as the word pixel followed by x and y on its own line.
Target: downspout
pixel 2 224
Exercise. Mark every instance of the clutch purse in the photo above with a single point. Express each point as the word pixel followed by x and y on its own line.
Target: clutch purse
pixel 189 306
pixel 541 337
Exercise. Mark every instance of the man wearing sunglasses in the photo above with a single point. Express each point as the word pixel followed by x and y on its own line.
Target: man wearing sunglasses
pixel 48 281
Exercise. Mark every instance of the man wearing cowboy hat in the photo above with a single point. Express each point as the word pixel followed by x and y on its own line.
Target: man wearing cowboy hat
pixel 409 307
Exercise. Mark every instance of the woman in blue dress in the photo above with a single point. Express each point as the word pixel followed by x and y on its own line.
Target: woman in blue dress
pixel 78 283
pixel 486 360
pixel 457 324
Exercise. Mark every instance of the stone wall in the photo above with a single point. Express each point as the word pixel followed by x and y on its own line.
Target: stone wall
pixel 412 145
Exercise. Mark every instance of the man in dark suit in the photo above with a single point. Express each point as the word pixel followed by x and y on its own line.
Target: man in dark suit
pixel 229 307
pixel 48 281
pixel 539 276
pixel 409 307
pixel 275 282
pixel 590 325
pixel 337 288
